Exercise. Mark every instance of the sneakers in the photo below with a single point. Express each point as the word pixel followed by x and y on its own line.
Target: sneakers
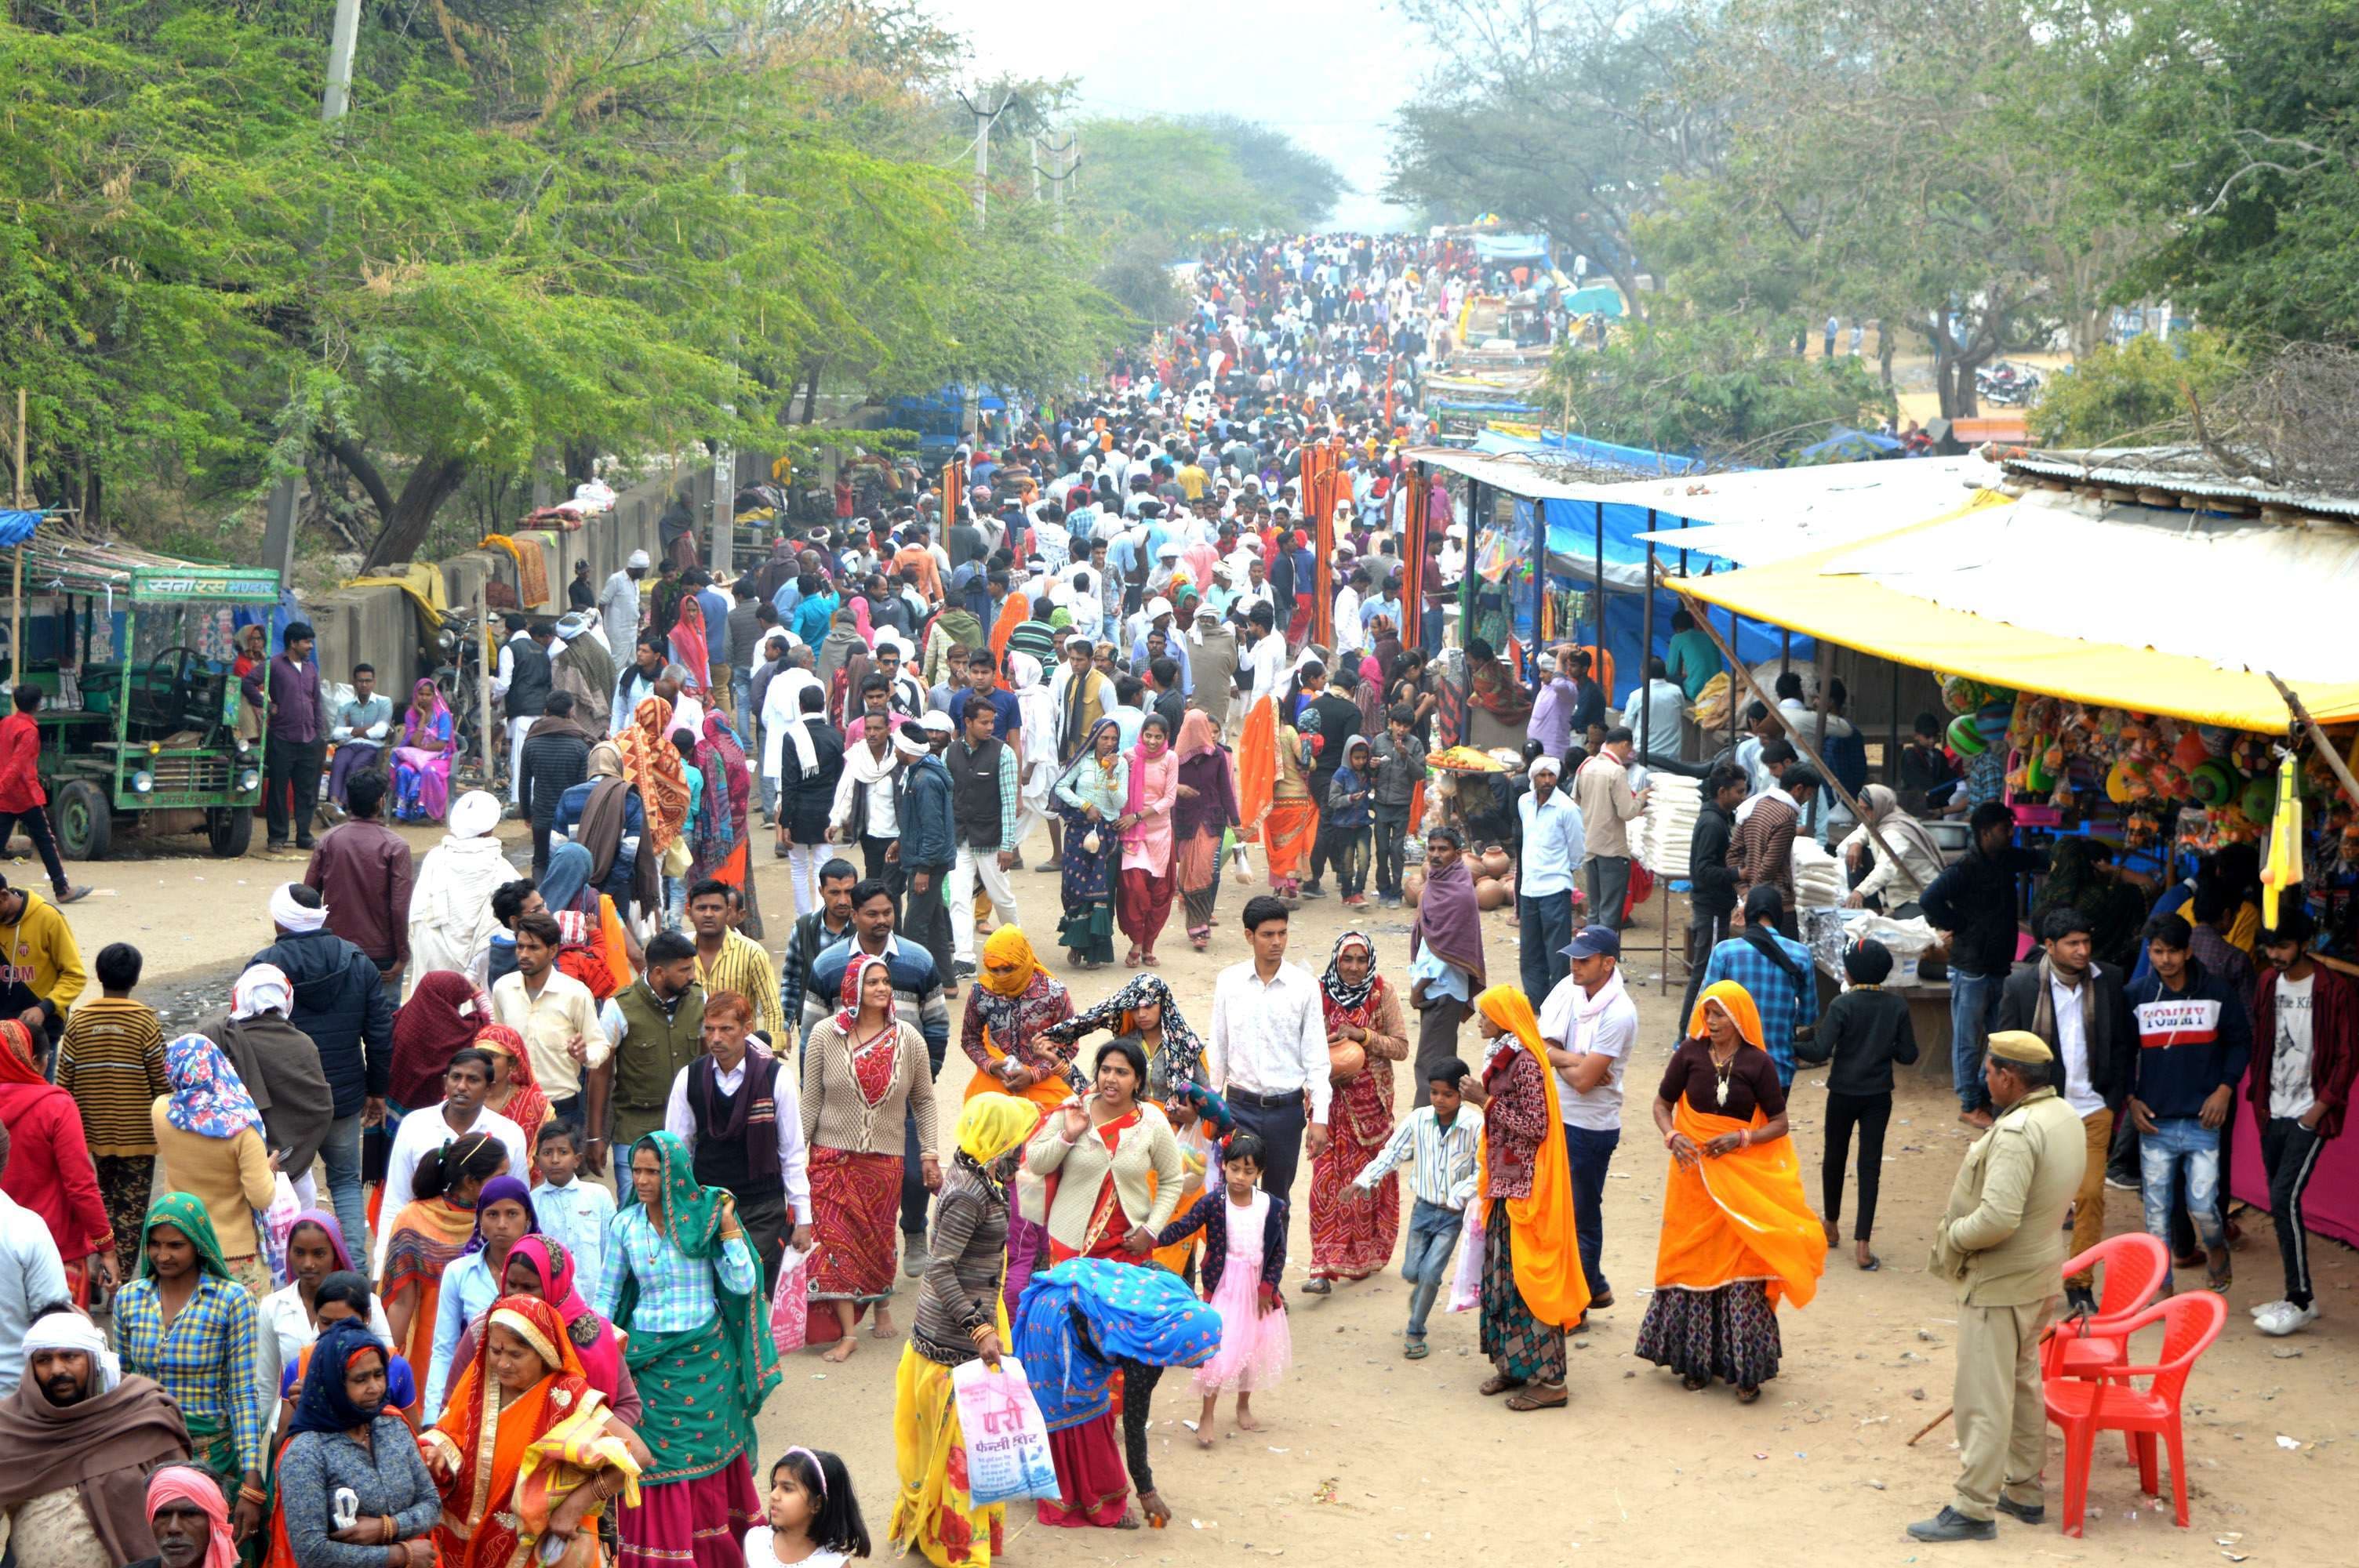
pixel 2284 1318
pixel 962 968
pixel 1951 1525
pixel 1313 890
pixel 2120 1183
pixel 2264 1308
pixel 1356 901
pixel 913 1254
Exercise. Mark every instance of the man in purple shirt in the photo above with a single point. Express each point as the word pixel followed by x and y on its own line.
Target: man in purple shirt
pixel 1551 720
pixel 296 747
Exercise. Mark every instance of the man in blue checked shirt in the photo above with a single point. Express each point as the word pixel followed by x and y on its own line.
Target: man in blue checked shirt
pixel 1776 972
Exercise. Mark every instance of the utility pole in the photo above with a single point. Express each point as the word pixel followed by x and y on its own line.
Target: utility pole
pixel 970 406
pixel 278 518
pixel 1060 172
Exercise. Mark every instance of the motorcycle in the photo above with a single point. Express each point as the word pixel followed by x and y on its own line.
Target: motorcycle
pixel 2008 386
pixel 459 678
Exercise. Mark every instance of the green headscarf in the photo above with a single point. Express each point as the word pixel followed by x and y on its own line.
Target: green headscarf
pixel 691 1223
pixel 186 1214
pixel 691 1212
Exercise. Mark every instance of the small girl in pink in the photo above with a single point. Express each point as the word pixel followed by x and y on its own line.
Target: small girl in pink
pixel 1245 1257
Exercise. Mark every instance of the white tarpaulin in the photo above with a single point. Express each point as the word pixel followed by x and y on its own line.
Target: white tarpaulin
pixel 1771 515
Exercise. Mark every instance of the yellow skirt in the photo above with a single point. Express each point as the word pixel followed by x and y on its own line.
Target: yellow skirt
pixel 934 1512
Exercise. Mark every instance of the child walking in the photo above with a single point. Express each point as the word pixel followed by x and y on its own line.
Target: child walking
pixel 112 1061
pixel 1351 820
pixel 813 1517
pixel 1444 1134
pixel 1864 1033
pixel 1245 1257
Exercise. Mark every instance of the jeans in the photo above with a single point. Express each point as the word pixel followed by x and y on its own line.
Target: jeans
pixel 36 824
pixel 1608 877
pixel 292 770
pixel 1392 830
pixel 1704 936
pixel 913 1182
pixel 1424 1263
pixel 1589 1150
pixel 341 1154
pixel 1350 854
pixel 1544 929
pixel 1871 1114
pixel 2181 1143
pixel 1429 638
pixel 926 917
pixel 1973 1012
pixel 740 698
pixel 2290 1152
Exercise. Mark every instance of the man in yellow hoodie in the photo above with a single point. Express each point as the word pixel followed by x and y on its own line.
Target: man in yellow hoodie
pixel 41 971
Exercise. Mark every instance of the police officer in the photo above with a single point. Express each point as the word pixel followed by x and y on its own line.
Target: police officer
pixel 2000 1240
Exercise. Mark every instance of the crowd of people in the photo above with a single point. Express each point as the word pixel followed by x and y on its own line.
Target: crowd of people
pixel 591 1138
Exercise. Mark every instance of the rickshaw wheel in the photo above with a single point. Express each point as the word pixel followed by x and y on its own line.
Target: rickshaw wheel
pixel 84 822
pixel 229 829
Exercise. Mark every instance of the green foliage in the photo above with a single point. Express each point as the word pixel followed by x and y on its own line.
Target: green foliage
pixel 1304 186
pixel 1720 386
pixel 2134 392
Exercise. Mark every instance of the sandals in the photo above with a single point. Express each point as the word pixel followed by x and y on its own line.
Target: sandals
pixel 1526 1401
pixel 1415 1350
pixel 1318 1287
pixel 1498 1383
pixel 1694 1384
pixel 1869 1264
pixel 1746 1396
pixel 1131 959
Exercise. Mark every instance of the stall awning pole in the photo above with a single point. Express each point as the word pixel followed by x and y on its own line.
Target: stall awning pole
pixel 1646 658
pixel 17 590
pixel 1597 667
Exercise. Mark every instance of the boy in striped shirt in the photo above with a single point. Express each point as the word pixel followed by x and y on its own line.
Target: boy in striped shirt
pixel 1443 1134
pixel 112 1061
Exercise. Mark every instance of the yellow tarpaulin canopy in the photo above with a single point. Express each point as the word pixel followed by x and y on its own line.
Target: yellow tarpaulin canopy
pixel 422 582
pixel 1804 595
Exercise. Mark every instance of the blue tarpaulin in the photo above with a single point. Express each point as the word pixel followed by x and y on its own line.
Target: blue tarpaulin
pixel 1847 444
pixel 1510 247
pixel 17 527
pixel 1636 461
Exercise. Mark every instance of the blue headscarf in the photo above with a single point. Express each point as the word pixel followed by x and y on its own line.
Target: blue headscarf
pixel 1132 1313
pixel 501 1187
pixel 322 1405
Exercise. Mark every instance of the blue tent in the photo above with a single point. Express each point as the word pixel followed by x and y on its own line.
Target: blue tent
pixel 1847 444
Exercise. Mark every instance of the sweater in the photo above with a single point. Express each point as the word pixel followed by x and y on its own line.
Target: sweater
pixel 1862 1034
pixel 836 1114
pixel 1084 1166
pixel 230 1176
pixel 111 1062
pixel 46 964
pixel 386 1478
pixel 1209 1214
pixel 2190 1041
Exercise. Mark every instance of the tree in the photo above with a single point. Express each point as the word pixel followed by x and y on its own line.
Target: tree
pixel 1719 386
pixel 2143 392
pixel 1559 115
pixel 1301 184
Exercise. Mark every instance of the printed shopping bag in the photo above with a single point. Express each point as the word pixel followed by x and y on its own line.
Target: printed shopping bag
pixel 1466 1280
pixel 275 1224
pixel 1006 1442
pixel 790 1301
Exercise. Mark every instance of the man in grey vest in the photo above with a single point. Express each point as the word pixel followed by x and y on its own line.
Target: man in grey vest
pixel 1999 1241
pixel 655 1025
pixel 523 682
pixel 983 801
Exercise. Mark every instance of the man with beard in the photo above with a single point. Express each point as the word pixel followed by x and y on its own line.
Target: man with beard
pixel 77 1440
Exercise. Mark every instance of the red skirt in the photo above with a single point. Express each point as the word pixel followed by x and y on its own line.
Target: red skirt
pixel 855 1214
pixel 1142 903
pixel 1352 1240
pixel 1093 1485
pixel 692 1524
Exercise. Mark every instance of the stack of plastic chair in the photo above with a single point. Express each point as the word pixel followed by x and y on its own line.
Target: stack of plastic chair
pixel 2083 1407
pixel 2137 1267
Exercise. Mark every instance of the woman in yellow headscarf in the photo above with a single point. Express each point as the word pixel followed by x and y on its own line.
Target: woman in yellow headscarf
pixel 960 1319
pixel 1533 1289
pixel 1738 1233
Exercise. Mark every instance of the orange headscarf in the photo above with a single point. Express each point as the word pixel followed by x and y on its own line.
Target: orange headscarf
pixel 1545 1251
pixel 1742 1214
pixel 651 762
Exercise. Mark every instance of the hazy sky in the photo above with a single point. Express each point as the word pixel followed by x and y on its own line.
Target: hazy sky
pixel 1328 73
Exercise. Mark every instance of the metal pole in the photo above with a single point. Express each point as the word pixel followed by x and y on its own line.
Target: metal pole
pixel 1646 662
pixel 17 594
pixel 483 685
pixel 342 40
pixel 1597 666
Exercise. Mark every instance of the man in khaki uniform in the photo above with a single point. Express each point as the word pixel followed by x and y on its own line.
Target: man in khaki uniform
pixel 2000 1239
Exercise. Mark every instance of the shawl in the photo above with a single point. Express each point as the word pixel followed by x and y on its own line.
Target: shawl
pixel 452 897
pixel 500 1189
pixel 1449 921
pixel 425 723
pixel 1344 1000
pixel 1078 1321
pixel 207 1096
pixel 734 768
pixel 1545 1252
pixel 105 1446
pixel 1036 715
pixel 651 763
pixel 327 1226
pixel 446 1012
pixel 425 1237
pixel 1142 792
pixel 591 667
pixel 594 1339
pixel 185 1213
pixel 1013 611
pixel 279 1066
pixel 692 1225
pixel 16 1063
pixel 321 1404
pixel 525 1106
pixel 1182 1054
pixel 689 649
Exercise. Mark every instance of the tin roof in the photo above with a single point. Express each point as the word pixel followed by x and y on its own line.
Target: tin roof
pixel 2180 469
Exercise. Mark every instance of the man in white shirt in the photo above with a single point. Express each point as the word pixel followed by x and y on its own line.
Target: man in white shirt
pixel 32 1279
pixel 738 1113
pixel 554 1013
pixel 1656 712
pixel 618 606
pixel 465 1084
pixel 1265 658
pixel 1268 1048
pixel 1589 1023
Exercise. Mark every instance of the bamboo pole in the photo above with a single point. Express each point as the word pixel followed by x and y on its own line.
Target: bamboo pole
pixel 2317 738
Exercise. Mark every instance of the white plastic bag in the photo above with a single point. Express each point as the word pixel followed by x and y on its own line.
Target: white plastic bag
pixel 1006 1442
pixel 790 1301
pixel 274 1224
pixel 1467 1279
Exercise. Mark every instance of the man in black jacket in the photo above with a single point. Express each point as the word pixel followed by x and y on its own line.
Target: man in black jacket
pixel 1711 881
pixel 2075 1005
pixel 342 1004
pixel 1973 906
pixel 556 758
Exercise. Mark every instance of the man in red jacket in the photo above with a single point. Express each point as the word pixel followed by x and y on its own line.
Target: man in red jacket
pixel 22 802
pixel 2305 1050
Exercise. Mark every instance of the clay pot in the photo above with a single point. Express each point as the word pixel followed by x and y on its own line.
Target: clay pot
pixel 1497 861
pixel 1490 893
pixel 1346 1061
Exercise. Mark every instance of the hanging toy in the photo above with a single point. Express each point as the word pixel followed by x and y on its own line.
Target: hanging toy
pixel 2281 867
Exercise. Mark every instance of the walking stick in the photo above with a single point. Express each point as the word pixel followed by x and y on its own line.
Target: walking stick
pixel 1930 1426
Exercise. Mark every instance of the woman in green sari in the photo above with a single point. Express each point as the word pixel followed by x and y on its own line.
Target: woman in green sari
pixel 681 1280
pixel 189 1326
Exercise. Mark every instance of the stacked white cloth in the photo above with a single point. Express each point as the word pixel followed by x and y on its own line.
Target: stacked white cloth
pixel 1664 832
pixel 1818 876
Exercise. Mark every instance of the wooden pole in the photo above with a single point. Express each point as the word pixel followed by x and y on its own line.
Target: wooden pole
pixel 483 684
pixel 2317 738
pixel 1802 742
pixel 17 591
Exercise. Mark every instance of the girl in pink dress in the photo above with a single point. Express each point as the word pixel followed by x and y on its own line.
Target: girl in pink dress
pixel 1245 1257
pixel 1143 899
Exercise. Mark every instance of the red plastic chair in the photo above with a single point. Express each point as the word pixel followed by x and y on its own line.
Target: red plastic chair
pixel 2137 1267
pixel 2082 1408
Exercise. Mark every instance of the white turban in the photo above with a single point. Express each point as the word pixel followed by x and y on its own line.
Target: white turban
pixel 288 915
pixel 911 740
pixel 71 1331
pixel 473 813
pixel 262 988
pixel 1548 765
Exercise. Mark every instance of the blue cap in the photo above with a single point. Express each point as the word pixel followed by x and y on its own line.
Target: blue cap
pixel 1595 941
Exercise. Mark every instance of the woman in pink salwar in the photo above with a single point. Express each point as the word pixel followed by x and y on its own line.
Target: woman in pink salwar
pixel 1143 897
pixel 421 763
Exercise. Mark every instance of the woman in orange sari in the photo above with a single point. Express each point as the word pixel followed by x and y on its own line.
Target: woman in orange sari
pixel 1738 1233
pixel 1273 767
pixel 526 1449
pixel 651 763
pixel 1533 1289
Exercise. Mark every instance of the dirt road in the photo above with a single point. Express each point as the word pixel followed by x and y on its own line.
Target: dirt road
pixel 1366 1457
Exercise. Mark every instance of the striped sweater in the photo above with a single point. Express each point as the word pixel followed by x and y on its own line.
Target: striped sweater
pixel 112 1061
